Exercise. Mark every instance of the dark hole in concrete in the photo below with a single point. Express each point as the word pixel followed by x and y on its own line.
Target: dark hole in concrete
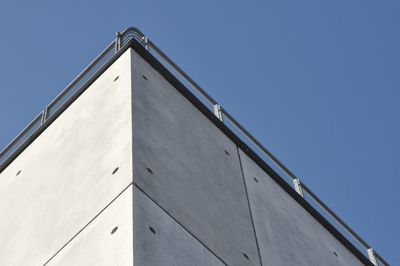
pixel 144 77
pixel 227 153
pixel 115 170
pixel 246 256
pixel 149 170
pixel 152 230
pixel 255 179
pixel 335 254
pixel 114 230
pixel 116 78
pixel 18 172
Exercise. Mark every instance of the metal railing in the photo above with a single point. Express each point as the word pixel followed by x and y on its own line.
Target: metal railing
pixel 123 40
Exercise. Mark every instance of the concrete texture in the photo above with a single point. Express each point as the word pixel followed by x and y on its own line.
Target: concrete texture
pixel 190 168
pixel 106 241
pixel 196 200
pixel 66 173
pixel 160 241
pixel 286 232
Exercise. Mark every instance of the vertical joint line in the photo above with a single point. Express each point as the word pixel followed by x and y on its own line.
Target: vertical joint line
pixel 248 203
pixel 297 187
pixel 218 112
pixel 372 257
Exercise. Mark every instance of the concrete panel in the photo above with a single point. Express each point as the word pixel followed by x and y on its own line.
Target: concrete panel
pixel 287 234
pixel 107 240
pixel 160 241
pixel 66 173
pixel 190 168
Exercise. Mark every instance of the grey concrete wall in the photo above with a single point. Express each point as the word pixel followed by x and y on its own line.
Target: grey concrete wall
pixel 64 179
pixel 191 171
pixel 160 240
pixel 286 232
pixel 133 174
pixel 190 168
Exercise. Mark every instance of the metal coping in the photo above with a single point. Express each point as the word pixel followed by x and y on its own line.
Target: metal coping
pixel 112 52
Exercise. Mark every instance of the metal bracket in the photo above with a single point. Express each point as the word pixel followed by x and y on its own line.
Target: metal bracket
pixel 44 115
pixel 297 187
pixel 372 257
pixel 146 42
pixel 118 41
pixel 218 112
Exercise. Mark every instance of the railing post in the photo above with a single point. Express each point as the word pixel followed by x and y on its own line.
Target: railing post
pixel 146 42
pixel 118 41
pixel 372 257
pixel 218 112
pixel 297 187
pixel 44 115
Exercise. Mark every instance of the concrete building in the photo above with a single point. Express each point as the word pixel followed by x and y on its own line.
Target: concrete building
pixel 134 164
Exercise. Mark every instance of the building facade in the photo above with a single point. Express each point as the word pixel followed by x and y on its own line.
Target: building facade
pixel 131 167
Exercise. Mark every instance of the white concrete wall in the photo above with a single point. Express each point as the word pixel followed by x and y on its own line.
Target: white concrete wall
pixel 196 200
pixel 66 178
pixel 106 241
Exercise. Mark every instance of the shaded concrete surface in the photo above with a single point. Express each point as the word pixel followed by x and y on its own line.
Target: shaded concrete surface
pixel 160 241
pixel 106 241
pixel 189 167
pixel 64 178
pixel 286 232
pixel 61 197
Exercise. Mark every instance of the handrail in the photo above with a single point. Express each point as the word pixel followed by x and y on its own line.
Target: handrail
pixel 18 137
pixel 122 39
pixel 335 216
pixel 81 75
pixel 264 149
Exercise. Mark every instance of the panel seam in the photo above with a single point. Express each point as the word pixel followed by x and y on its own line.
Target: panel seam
pixel 181 225
pixel 248 203
pixel 86 225
pixel 174 81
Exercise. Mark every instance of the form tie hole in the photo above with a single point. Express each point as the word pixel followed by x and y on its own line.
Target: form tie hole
pixel 116 78
pixel 144 77
pixel 152 230
pixel 335 254
pixel 114 230
pixel 18 172
pixel 246 256
pixel 149 170
pixel 227 153
pixel 115 170
pixel 255 179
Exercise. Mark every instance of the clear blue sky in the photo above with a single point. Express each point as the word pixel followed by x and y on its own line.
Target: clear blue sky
pixel 317 82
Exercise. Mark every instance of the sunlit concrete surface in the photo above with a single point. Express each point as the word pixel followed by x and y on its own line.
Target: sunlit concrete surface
pixel 133 173
pixel 107 240
pixel 66 173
